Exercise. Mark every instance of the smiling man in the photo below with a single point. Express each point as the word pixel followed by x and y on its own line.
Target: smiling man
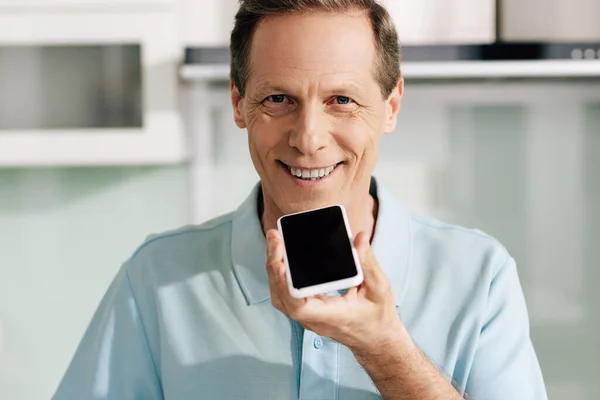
pixel 204 311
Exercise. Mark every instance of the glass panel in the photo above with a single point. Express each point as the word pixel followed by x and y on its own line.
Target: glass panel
pixel 70 87
pixel 519 160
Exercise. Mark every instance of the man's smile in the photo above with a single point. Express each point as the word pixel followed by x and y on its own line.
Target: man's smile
pixel 309 174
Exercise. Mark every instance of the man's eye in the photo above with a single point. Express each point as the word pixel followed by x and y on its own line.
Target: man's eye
pixel 342 99
pixel 276 98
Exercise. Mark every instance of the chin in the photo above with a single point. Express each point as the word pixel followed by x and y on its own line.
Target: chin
pixel 289 206
pixel 289 198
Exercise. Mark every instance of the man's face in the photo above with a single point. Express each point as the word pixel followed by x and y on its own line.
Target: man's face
pixel 313 109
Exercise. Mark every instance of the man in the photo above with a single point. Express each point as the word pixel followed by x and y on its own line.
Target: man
pixel 204 313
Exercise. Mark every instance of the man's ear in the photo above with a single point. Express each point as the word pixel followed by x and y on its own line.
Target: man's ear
pixel 237 102
pixel 393 107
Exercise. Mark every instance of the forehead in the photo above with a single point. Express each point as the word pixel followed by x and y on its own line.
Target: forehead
pixel 315 45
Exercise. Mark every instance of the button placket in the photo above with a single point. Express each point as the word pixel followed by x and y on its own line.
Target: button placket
pixel 319 367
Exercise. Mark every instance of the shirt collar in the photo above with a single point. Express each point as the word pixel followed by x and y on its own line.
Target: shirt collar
pixel 391 244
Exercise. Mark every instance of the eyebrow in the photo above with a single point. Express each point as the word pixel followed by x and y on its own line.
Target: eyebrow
pixel 344 91
pixel 266 87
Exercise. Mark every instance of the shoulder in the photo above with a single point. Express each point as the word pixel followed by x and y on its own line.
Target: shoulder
pixel 464 256
pixel 452 268
pixel 218 227
pixel 185 248
pixel 439 229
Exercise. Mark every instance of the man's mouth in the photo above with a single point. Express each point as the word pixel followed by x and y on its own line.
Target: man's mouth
pixel 310 174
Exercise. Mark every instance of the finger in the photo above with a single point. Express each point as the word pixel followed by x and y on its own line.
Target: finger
pixel 275 253
pixel 351 293
pixel 275 248
pixel 274 258
pixel 274 290
pixel 374 277
pixel 291 304
pixel 276 273
pixel 279 292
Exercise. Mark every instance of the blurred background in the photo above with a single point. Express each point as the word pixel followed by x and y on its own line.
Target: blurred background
pixel 115 123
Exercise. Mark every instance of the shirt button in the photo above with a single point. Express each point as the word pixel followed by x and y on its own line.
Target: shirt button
pixel 318 342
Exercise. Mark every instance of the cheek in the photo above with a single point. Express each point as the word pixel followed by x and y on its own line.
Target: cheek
pixel 264 135
pixel 360 137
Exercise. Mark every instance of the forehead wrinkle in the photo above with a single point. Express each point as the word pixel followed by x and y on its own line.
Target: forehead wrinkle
pixel 312 70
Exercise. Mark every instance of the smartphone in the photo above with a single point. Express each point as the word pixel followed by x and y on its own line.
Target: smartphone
pixel 319 252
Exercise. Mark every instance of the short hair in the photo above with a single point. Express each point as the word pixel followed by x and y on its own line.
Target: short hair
pixel 252 12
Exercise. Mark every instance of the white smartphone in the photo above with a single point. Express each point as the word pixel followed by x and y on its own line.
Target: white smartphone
pixel 319 253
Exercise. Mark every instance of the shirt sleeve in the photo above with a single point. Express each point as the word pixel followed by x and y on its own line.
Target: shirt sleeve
pixel 505 365
pixel 113 360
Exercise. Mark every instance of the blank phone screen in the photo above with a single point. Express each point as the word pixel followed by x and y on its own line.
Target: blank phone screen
pixel 318 247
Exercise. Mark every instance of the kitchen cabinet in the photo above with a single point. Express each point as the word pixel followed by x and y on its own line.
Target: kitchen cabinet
pixel 29 4
pixel 428 22
pixel 81 88
pixel 550 20
pixel 209 22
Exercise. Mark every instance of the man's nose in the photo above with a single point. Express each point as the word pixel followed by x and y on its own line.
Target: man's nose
pixel 309 134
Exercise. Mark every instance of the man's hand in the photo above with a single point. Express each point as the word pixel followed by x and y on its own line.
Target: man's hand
pixel 364 319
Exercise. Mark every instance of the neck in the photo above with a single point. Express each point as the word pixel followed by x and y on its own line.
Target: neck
pixel 362 214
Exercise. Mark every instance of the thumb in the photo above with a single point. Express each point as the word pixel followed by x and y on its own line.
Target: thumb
pixel 373 275
pixel 365 254
pixel 362 246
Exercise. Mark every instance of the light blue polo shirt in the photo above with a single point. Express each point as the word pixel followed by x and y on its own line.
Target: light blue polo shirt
pixel 188 317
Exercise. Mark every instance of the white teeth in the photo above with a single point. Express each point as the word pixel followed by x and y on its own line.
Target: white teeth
pixel 311 174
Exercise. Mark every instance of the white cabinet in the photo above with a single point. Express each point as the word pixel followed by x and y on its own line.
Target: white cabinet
pixel 28 4
pixel 82 88
pixel 551 20
pixel 209 22
pixel 427 22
